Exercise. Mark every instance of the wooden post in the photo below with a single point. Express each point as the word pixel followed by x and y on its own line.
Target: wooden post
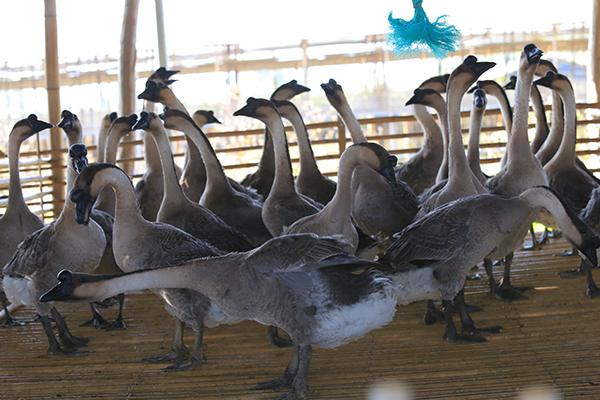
pixel 127 70
pixel 160 30
pixel 53 89
pixel 594 50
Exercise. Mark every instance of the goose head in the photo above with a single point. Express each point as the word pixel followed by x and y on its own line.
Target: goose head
pixel 479 98
pixel 86 189
pixel 438 83
pixel 376 157
pixel 288 90
pixel 71 124
pixel 333 92
pixel 163 75
pixel 78 155
pixel 530 59
pixel 468 72
pixel 545 66
pixel 512 83
pixel 170 114
pixel 205 117
pixel 285 107
pixel 68 283
pixel 261 109
pixel 146 121
pixel 27 127
pixel 427 97
pixel 554 81
pixel 153 91
pixel 121 126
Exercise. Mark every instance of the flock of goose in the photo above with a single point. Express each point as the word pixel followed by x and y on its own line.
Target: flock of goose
pixel 326 261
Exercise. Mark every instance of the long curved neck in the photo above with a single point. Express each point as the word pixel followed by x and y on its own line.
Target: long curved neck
pixel 518 141
pixel 541 124
pixel 151 155
pixel 345 111
pixel 538 197
pixel 267 159
pixel 215 175
pixel 112 145
pixel 307 157
pixel 552 143
pixel 442 111
pixel 15 191
pixel 172 188
pixel 505 109
pixel 566 151
pixel 341 203
pixel 169 99
pixel 473 149
pixel 284 179
pixel 432 134
pixel 127 210
pixel 457 160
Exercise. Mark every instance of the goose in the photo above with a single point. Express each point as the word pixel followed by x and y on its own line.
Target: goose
pixel 241 211
pixel 563 173
pixel 334 218
pixel 119 128
pixel 322 304
pixel 431 258
pixel 142 244
pixel 284 205
pixel 420 171
pixel 310 181
pixel 18 221
pixel 379 208
pixel 149 188
pixel 479 104
pixel 105 124
pixel 521 171
pixel 71 125
pixel 262 179
pixel 557 126
pixel 591 216
pixel 493 88
pixel 461 180
pixel 177 209
pixel 37 260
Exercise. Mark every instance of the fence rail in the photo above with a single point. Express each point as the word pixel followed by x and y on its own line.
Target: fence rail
pixel 37 181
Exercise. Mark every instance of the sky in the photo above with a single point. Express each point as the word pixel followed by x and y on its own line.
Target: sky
pixel 85 31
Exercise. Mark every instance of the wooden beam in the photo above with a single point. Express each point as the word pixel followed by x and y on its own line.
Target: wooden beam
pixel 53 89
pixel 594 49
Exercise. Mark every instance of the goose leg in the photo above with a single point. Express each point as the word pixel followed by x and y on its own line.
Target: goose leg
pixel 9 321
pixel 300 389
pixel 288 376
pixel 54 345
pixel 118 323
pixel 506 291
pixel 178 349
pixel 574 272
pixel 489 270
pixel 97 320
pixel 277 341
pixel 451 334
pixel 465 319
pixel 566 253
pixel 432 315
pixel 535 245
pixel 197 354
pixel 66 337
pixel 592 290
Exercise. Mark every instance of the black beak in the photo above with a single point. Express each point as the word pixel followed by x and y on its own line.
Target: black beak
pixel 83 205
pixel 143 122
pixel 387 170
pixel 62 291
pixel 532 53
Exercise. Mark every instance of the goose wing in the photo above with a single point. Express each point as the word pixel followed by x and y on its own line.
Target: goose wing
pixel 30 257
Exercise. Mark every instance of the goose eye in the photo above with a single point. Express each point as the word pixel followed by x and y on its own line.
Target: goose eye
pixel 89 182
pixel 379 154
pixel 81 280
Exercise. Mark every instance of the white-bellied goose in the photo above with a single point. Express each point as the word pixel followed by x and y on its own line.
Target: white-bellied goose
pixel 379 207
pixel 236 208
pixel 177 209
pixel 522 169
pixel 32 270
pixel 322 304
pixel 18 221
pixel 310 181
pixel 432 257
pixel 262 179
pixel 284 205
pixel 335 217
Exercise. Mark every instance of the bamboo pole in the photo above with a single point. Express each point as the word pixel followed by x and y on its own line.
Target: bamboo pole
pixel 53 89
pixel 594 48
pixel 160 30
pixel 127 70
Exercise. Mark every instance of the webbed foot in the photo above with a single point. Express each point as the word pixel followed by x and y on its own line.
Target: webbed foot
pixel 184 365
pixel 276 384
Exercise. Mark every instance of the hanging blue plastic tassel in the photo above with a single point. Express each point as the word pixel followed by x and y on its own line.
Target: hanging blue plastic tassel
pixel 419 36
